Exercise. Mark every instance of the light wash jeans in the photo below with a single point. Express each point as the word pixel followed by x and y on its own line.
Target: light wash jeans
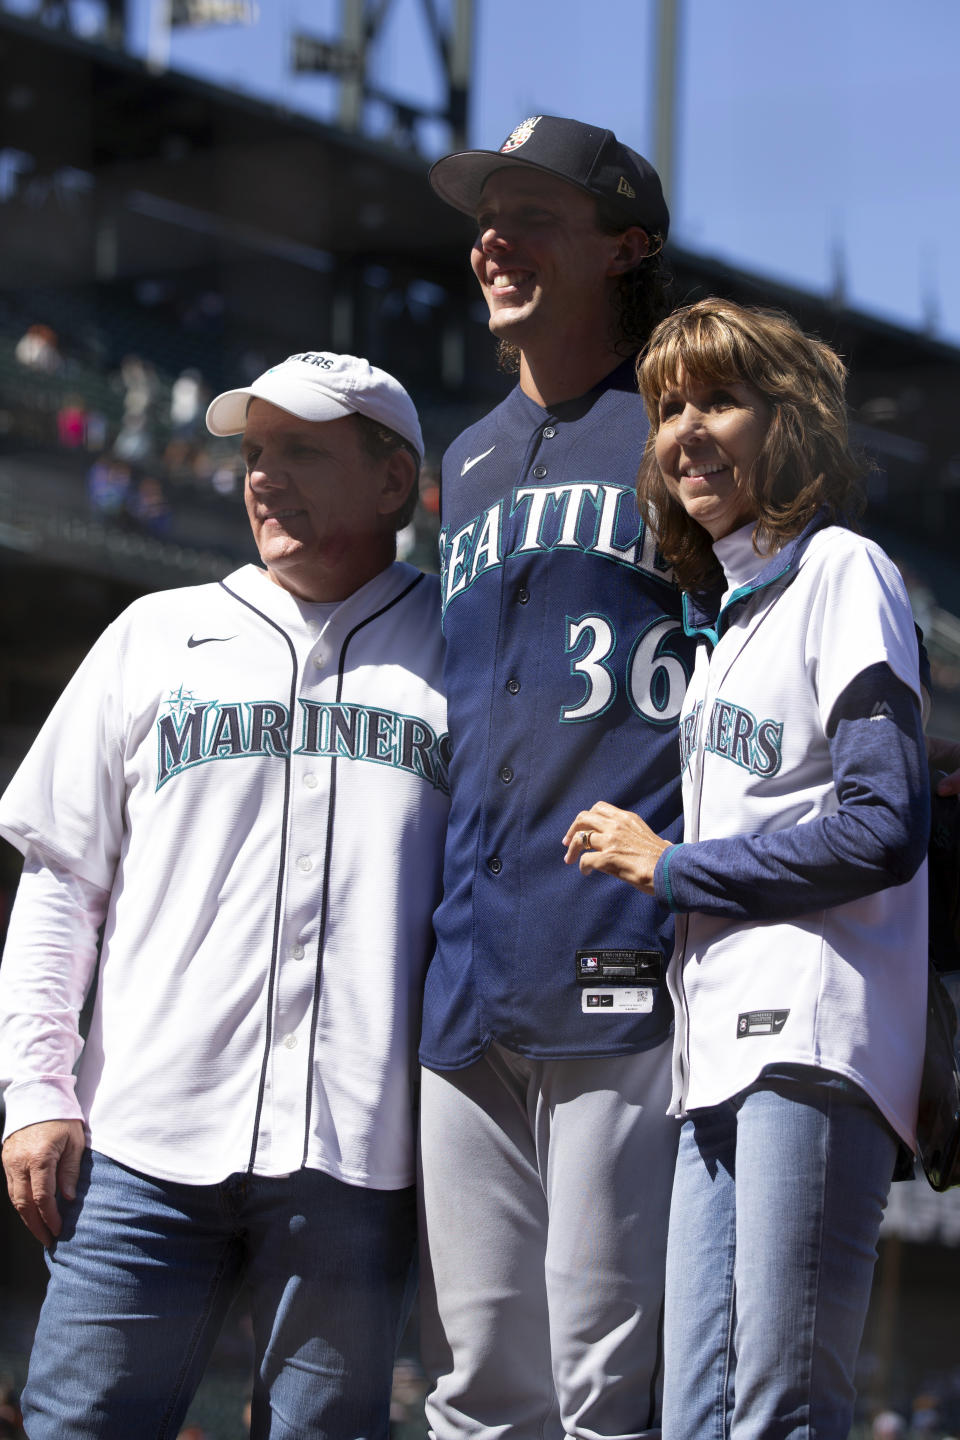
pixel 777 1202
pixel 145 1270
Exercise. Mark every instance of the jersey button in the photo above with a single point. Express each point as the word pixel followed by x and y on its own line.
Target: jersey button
pixel 513 686
pixel 523 595
pixel 290 1042
pixel 495 865
pixel 318 662
pixel 310 780
pixel 297 951
pixel 305 864
pixel 539 471
pixel 506 774
pixel 548 432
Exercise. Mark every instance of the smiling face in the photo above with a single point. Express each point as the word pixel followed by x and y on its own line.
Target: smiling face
pixel 708 440
pixel 543 263
pixel 320 507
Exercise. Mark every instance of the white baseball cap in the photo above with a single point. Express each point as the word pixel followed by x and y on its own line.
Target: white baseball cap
pixel 319 385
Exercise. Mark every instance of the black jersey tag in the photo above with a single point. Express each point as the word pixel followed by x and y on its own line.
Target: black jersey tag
pixel 760 1022
pixel 619 967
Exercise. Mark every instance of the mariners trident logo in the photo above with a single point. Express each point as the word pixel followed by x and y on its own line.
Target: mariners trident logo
pixel 521 135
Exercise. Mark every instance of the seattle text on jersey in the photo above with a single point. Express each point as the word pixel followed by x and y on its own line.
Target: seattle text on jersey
pixel 544 518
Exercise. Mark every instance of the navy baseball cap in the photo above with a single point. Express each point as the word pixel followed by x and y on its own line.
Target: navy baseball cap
pixel 592 159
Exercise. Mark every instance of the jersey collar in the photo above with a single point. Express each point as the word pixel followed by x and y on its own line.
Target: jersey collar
pixel 702 615
pixel 621 377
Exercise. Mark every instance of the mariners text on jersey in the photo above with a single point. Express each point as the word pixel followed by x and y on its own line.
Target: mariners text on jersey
pixel 735 734
pixel 195 732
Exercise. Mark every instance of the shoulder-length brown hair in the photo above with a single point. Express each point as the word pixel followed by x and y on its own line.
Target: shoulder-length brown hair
pixel 805 463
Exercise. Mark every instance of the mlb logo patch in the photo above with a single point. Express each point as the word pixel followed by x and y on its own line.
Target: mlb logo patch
pixel 589 962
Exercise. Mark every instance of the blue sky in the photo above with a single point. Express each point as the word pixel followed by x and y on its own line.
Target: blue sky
pixel 810 137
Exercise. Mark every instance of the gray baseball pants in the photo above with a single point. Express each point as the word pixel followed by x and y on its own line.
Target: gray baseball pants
pixel 545 1192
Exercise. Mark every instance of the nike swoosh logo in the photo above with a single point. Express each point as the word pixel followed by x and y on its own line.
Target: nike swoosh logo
pixel 469 463
pixel 206 639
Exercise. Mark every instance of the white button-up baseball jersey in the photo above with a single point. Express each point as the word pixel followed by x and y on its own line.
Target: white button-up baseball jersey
pixel 841 987
pixel 266 836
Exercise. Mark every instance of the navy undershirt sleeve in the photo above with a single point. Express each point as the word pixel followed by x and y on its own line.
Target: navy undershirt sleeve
pixel 877 838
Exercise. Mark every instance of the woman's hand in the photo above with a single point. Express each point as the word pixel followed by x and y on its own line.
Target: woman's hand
pixel 617 842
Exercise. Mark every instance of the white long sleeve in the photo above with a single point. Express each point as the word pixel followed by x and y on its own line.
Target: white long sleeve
pixel 48 962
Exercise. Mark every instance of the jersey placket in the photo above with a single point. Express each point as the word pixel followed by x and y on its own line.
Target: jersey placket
pixel 512 692
pixel 716 671
pixel 290 1070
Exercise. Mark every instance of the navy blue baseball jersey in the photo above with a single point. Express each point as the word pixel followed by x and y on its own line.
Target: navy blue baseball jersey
pixel 566 665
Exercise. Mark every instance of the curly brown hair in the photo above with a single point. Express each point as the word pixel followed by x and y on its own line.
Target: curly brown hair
pixel 805 463
pixel 641 298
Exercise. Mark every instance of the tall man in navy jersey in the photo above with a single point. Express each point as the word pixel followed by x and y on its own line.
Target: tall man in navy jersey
pixel 547 1155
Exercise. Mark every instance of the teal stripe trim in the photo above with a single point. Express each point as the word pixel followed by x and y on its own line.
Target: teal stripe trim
pixel 747 590
pixel 691 629
pixel 666 874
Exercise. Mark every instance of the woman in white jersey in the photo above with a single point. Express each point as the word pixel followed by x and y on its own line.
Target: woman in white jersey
pixel 799 972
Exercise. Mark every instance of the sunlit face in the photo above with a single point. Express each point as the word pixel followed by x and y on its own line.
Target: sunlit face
pixel 316 501
pixel 707 443
pixel 542 262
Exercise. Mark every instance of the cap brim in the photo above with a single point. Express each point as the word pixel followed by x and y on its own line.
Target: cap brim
pixel 227 414
pixel 459 179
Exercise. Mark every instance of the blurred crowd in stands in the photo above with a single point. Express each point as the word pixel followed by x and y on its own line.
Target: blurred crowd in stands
pixel 932 1414
pixel 145 436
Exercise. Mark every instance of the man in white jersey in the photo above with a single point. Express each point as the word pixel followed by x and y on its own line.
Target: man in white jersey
pixel 246 784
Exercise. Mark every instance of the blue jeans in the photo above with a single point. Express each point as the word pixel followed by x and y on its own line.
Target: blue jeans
pixel 777 1201
pixel 143 1274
